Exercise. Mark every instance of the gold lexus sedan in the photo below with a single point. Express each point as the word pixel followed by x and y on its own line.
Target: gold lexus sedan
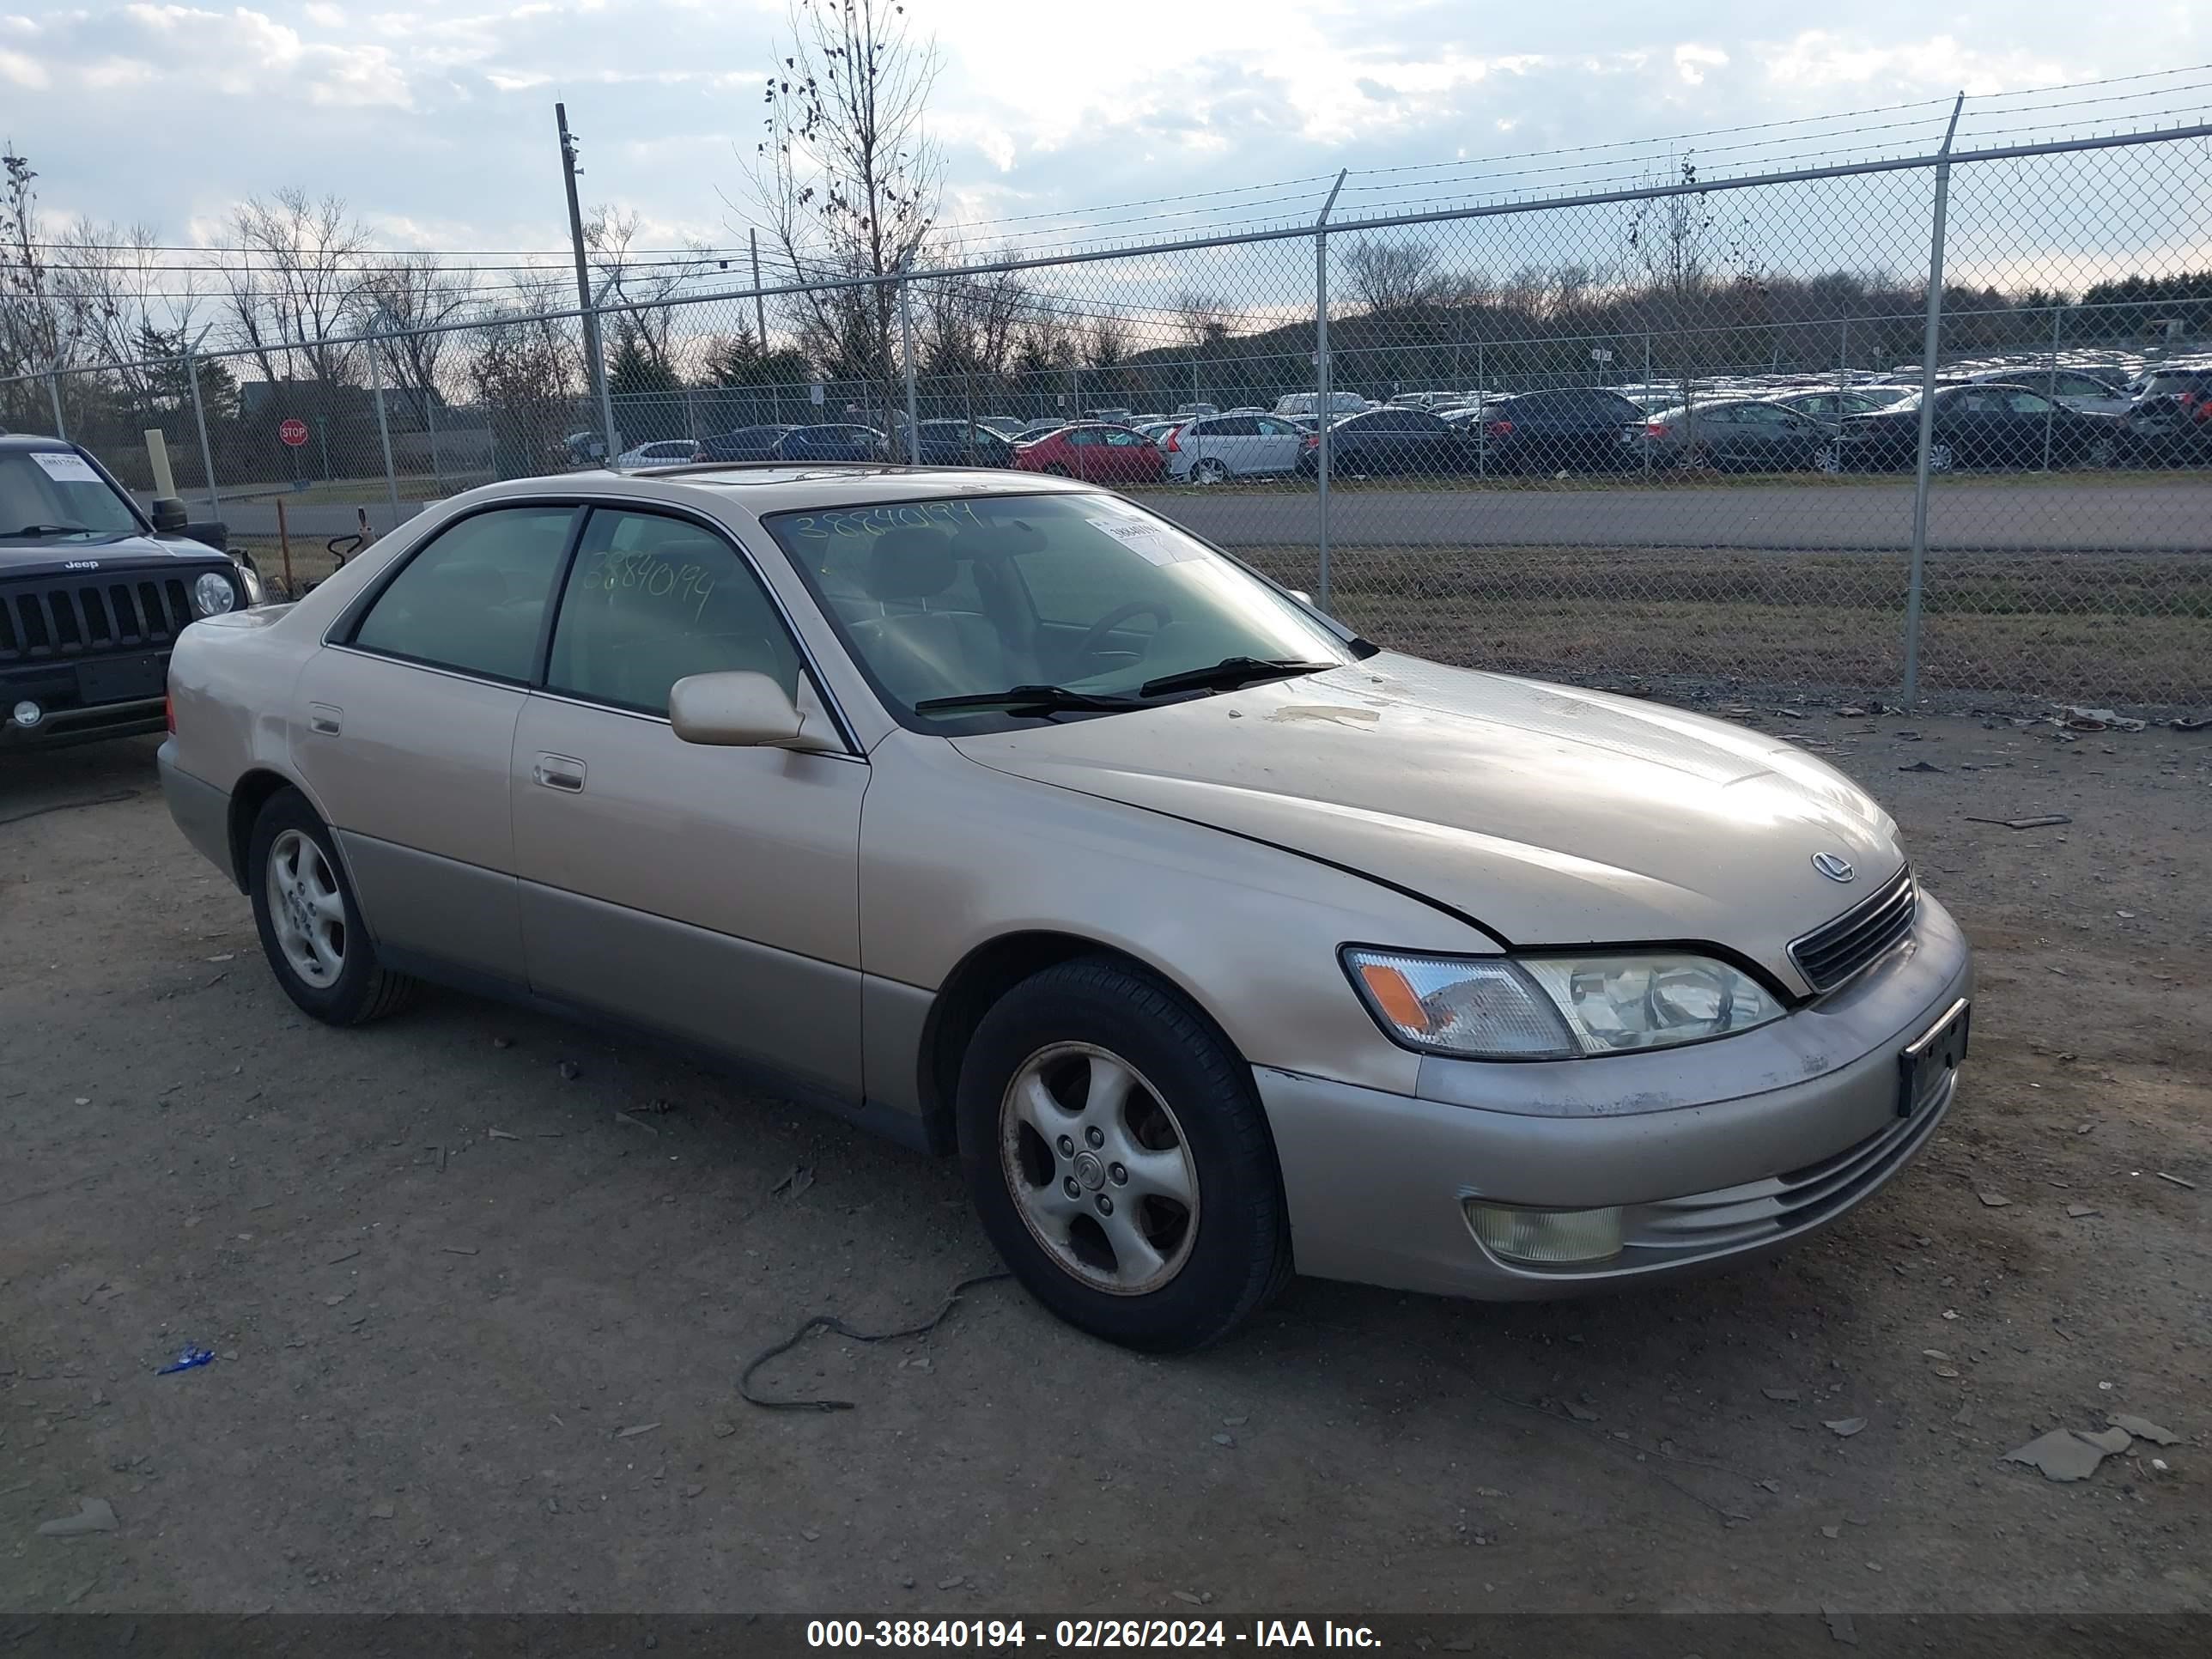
pixel 999 815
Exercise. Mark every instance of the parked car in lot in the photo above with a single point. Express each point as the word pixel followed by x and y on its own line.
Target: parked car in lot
pixel 1740 434
pixel 1575 428
pixel 1978 426
pixel 1307 405
pixel 1006 426
pixel 93 594
pixel 961 443
pixel 2172 424
pixel 1097 454
pixel 1387 443
pixel 1007 819
pixel 662 451
pixel 2068 387
pixel 1829 408
pixel 750 443
pixel 1223 447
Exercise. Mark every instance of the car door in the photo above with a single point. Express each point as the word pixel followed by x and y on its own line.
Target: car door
pixel 1976 421
pixel 406 731
pixel 1235 440
pixel 709 893
pixel 1276 447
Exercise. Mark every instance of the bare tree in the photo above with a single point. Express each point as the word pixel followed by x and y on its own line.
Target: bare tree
pixel 398 302
pixel 524 372
pixel 1205 318
pixel 298 280
pixel 1391 274
pixel 969 322
pixel 622 276
pixel 847 175
pixel 34 332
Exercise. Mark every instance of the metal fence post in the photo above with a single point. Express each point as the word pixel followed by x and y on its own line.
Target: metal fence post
pixel 54 390
pixel 383 430
pixel 1481 426
pixel 430 424
pixel 1930 344
pixel 1323 411
pixel 199 420
pixel 906 331
pixel 2050 387
pixel 1647 392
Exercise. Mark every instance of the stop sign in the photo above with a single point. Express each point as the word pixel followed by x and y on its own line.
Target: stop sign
pixel 293 432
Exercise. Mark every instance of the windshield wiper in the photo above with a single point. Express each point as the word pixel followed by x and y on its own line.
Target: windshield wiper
pixel 52 530
pixel 1232 673
pixel 1022 699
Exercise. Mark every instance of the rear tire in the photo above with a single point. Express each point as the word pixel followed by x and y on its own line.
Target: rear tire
pixel 311 930
pixel 1210 472
pixel 1165 1115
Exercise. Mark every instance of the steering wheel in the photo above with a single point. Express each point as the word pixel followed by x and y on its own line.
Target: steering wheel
pixel 1095 636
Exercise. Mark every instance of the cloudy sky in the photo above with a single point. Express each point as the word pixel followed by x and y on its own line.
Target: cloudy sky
pixel 435 122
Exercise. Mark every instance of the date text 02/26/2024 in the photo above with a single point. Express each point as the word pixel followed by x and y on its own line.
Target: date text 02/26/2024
pixel 1070 1635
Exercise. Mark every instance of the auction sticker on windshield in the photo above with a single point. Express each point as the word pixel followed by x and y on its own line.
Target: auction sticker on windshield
pixel 1141 536
pixel 66 468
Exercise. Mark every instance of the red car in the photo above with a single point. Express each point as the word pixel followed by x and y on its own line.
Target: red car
pixel 1095 452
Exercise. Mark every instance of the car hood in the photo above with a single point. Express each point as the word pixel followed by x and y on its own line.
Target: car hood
pixel 78 558
pixel 1547 815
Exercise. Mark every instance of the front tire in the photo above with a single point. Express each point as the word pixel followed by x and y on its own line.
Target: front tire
pixel 310 930
pixel 1118 1157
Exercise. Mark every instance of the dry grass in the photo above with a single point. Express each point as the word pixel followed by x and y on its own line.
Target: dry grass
pixel 2082 627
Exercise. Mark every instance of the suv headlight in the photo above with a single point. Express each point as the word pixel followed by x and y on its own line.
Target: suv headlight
pixel 212 594
pixel 1556 1007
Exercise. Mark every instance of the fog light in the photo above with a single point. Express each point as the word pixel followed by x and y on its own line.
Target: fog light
pixel 29 714
pixel 1549 1238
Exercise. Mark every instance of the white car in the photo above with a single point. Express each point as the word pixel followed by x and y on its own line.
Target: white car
pixel 665 451
pixel 1308 403
pixel 1224 447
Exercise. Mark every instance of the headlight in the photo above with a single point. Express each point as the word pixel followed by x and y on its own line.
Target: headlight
pixel 212 594
pixel 1556 1007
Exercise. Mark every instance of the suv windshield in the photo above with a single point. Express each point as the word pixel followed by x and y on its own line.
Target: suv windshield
pixel 56 495
pixel 1079 593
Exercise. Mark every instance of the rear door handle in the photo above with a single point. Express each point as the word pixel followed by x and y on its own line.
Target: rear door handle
pixel 563 772
pixel 326 718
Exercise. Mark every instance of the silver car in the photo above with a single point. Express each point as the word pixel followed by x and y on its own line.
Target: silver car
pixel 1005 818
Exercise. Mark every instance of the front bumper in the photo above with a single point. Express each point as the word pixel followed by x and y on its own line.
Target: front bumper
pixel 1716 1152
pixel 60 726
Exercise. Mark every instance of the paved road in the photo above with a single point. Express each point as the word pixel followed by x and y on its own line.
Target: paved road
pixel 2161 514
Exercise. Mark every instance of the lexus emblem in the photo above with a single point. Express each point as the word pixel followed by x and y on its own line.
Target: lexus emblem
pixel 1834 865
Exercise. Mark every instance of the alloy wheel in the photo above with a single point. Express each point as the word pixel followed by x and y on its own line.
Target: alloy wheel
pixel 1099 1169
pixel 306 909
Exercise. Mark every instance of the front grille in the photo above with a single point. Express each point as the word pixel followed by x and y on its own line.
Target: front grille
pixel 1836 950
pixel 50 621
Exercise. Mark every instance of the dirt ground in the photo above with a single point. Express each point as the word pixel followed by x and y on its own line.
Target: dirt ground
pixel 478 1322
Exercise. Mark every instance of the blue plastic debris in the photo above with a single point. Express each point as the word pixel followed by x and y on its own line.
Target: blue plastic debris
pixel 189 1358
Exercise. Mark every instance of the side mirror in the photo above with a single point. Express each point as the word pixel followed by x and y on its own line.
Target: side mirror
pixel 170 515
pixel 742 710
pixel 1300 595
pixel 213 531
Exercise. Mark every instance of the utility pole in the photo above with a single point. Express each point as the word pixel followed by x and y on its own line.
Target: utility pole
pixel 1324 377
pixel 592 354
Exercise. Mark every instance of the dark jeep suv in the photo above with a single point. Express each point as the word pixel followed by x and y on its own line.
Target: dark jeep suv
pixel 93 595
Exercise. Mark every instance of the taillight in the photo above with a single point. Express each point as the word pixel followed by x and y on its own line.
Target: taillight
pixel 1313 440
pixel 1656 429
pixel 169 713
pixel 1173 448
pixel 1498 428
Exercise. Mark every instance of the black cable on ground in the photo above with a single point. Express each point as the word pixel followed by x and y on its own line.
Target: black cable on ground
pixel 72 805
pixel 831 1322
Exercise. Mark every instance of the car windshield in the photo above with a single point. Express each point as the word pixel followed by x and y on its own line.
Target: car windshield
pixel 57 496
pixel 1079 592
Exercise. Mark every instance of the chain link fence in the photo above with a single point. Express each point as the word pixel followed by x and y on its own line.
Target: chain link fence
pixel 1703 436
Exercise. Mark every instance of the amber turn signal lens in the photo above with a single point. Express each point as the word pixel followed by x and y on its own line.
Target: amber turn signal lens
pixel 1394 994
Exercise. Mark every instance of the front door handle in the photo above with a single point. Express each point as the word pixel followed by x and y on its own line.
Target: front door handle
pixel 563 772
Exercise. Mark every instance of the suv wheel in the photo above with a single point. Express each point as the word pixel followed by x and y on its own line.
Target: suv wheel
pixel 310 929
pixel 1118 1157
pixel 1211 471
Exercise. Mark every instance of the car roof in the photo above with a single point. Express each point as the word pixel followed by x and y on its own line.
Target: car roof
pixel 28 442
pixel 764 487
